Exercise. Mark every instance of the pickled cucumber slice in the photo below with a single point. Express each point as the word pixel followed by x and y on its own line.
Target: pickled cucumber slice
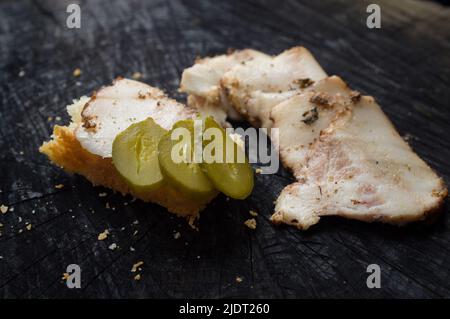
pixel 232 177
pixel 183 172
pixel 135 155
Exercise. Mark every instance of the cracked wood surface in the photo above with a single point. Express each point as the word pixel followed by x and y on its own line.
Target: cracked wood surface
pixel 405 65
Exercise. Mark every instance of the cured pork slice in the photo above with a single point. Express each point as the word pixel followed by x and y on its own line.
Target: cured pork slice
pixel 360 168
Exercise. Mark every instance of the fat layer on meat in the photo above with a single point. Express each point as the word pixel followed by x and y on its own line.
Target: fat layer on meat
pixel 114 108
pixel 202 83
pixel 255 87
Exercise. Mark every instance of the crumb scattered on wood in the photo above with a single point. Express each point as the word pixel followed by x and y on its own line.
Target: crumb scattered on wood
pixel 77 72
pixel 238 279
pixel 29 226
pixel 191 222
pixel 177 235
pixel 250 223
pixel 59 186
pixel 137 75
pixel 137 266
pixel 253 213
pixel 137 277
pixel 3 209
pixel 102 194
pixel 258 171
pixel 104 235
pixel 113 246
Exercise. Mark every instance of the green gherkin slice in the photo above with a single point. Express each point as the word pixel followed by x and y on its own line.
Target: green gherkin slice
pixel 135 155
pixel 183 172
pixel 229 170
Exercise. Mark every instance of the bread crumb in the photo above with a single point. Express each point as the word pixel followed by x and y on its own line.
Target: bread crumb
pixel 135 233
pixel 65 276
pixel 258 171
pixel 21 73
pixel 29 226
pixel 59 186
pixel 1 225
pixel 58 118
pixel 50 118
pixel 113 246
pixel 238 279
pixel 3 209
pixel 102 194
pixel 177 235
pixel 137 277
pixel 77 72
pixel 104 235
pixel 137 75
pixel 191 222
pixel 137 266
pixel 132 248
pixel 253 213
pixel 250 223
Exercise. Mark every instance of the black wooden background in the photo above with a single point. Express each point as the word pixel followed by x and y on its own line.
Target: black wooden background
pixel 405 65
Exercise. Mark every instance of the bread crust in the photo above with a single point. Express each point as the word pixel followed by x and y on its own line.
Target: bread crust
pixel 65 151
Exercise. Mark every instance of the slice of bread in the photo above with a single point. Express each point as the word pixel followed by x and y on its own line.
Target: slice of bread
pixel 66 151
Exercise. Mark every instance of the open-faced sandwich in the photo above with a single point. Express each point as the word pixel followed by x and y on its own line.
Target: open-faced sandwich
pixel 122 137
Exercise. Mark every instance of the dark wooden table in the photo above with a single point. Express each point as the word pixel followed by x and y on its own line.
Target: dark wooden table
pixel 405 65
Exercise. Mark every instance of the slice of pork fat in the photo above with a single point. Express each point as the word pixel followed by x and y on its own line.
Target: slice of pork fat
pixel 347 157
pixel 202 83
pixel 255 87
pixel 301 118
pixel 114 108
pixel 360 168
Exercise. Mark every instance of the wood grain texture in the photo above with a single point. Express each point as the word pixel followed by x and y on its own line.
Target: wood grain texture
pixel 405 65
